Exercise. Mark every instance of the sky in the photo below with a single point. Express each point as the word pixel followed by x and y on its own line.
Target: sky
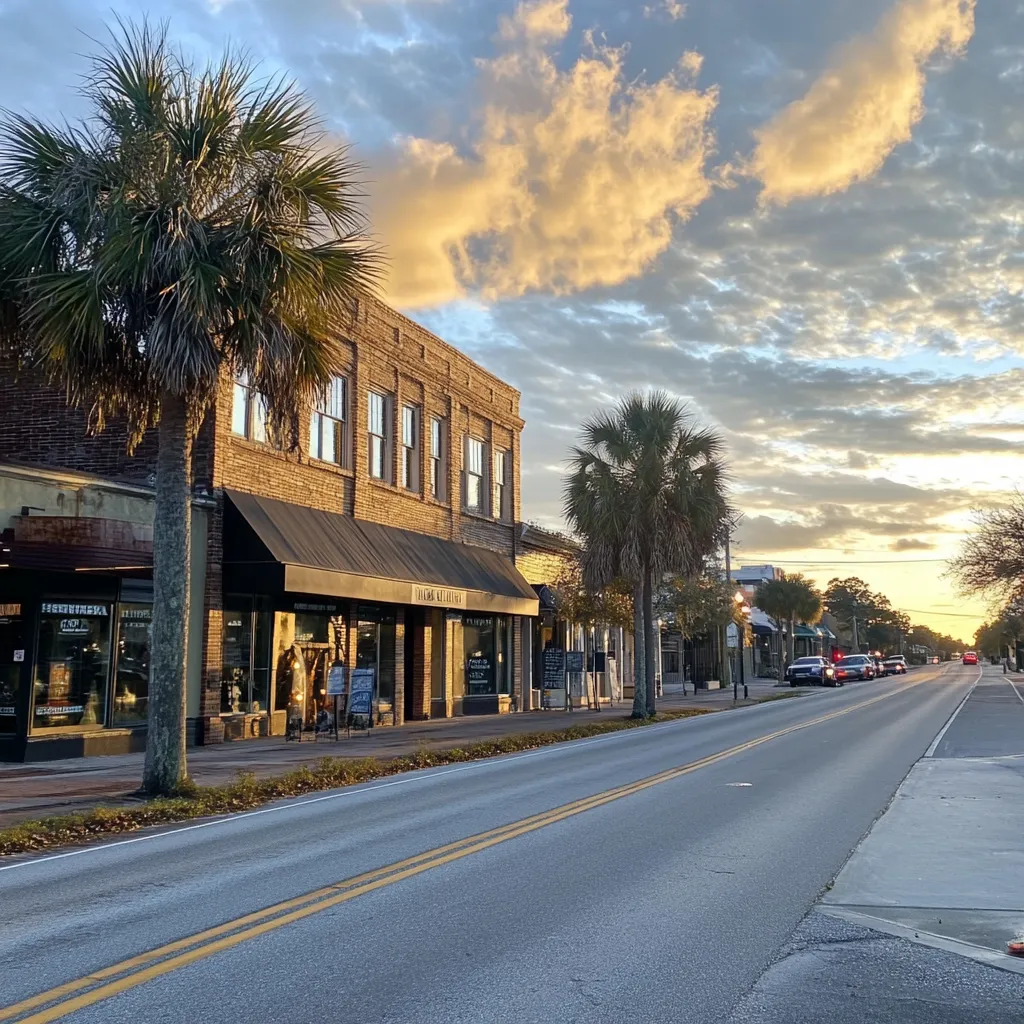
pixel 800 217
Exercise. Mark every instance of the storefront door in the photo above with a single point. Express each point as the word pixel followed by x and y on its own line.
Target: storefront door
pixel 12 663
pixel 72 665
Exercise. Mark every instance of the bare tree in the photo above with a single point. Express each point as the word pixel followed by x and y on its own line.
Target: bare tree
pixel 991 559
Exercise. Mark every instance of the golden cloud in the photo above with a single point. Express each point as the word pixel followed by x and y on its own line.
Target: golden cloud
pixel 861 108
pixel 568 179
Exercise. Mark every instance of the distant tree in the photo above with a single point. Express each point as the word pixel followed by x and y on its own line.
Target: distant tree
pixel 991 557
pixel 789 600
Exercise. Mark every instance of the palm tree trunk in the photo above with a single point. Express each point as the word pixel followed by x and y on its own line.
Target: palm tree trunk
pixel 164 769
pixel 651 639
pixel 639 662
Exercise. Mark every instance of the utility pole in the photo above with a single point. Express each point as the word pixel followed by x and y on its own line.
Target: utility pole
pixel 856 642
pixel 728 582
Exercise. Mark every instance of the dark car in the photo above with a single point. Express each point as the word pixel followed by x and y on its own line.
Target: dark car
pixel 811 672
pixel 855 666
pixel 896 665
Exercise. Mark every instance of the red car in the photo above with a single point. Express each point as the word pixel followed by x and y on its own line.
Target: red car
pixel 970 658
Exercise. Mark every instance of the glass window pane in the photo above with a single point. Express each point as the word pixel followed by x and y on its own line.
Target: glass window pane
pixel 473 491
pixel 435 478
pixel 259 418
pixel 314 434
pixel 11 640
pixel 476 456
pixel 499 467
pixel 376 414
pixel 235 659
pixel 408 426
pixel 478 636
pixel 328 436
pixel 239 409
pixel 72 665
pixel 336 398
pixel 131 673
pixel 376 457
pixel 435 438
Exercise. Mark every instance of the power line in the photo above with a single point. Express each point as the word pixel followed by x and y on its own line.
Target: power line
pixel 876 561
pixel 956 615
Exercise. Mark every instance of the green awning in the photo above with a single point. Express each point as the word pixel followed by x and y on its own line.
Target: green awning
pixel 805 631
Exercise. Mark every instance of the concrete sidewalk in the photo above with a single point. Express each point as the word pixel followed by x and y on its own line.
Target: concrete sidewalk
pixel 945 864
pixel 59 787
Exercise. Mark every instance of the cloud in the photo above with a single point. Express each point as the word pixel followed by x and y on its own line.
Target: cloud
pixel 569 178
pixel 862 107
pixel 911 544
pixel 672 9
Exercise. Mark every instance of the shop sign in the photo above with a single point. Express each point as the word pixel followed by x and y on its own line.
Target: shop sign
pixel 74 627
pixel 10 611
pixel 57 608
pixel 59 709
pixel 441 597
pixel 480 674
pixel 360 701
pixel 6 709
pixel 324 609
pixel 336 681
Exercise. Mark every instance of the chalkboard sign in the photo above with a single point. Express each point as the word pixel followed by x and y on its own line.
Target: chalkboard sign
pixel 360 701
pixel 596 661
pixel 479 675
pixel 553 662
pixel 336 680
pixel 573 661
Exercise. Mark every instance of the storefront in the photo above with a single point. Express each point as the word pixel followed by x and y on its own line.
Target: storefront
pixel 427 625
pixel 74 665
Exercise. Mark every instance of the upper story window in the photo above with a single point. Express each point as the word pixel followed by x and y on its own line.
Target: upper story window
pixel 378 429
pixel 410 448
pixel 475 463
pixel 438 468
pixel 501 491
pixel 327 425
pixel 250 416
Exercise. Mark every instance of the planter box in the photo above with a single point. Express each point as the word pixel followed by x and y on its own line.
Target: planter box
pixel 712 684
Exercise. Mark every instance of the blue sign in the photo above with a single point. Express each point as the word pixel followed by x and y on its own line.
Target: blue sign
pixel 360 701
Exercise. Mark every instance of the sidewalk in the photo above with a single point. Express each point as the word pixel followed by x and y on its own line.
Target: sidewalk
pixel 945 864
pixel 59 787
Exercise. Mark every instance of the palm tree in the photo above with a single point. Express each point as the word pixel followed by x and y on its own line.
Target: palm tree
pixel 789 600
pixel 646 493
pixel 193 228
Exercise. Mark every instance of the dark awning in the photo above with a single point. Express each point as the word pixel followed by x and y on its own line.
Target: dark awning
pixel 271 544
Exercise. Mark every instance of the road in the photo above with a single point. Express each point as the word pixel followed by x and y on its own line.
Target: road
pixel 641 876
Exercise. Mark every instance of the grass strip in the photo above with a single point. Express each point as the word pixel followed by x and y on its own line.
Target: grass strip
pixel 247 791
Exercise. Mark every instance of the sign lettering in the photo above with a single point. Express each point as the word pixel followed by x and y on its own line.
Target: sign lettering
pixel 10 610
pixel 442 597
pixel 60 608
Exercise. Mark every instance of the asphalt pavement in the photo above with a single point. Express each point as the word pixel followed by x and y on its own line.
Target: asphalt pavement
pixel 653 875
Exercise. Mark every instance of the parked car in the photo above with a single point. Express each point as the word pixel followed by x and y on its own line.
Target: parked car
pixel 855 666
pixel 933 660
pixel 811 671
pixel 894 666
pixel 970 657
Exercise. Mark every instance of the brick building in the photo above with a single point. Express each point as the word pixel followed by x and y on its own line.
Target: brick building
pixel 374 547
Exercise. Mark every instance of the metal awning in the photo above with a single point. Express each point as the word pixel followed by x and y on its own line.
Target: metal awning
pixel 275 546
pixel 809 632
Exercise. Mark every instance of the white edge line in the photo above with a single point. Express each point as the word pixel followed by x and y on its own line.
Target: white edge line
pixel 1013 686
pixel 983 954
pixel 942 732
pixel 291 803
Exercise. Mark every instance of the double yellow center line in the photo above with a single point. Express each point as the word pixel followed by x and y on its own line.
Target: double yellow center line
pixel 93 988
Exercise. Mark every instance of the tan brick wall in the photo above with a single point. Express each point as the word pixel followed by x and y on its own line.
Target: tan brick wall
pixel 540 566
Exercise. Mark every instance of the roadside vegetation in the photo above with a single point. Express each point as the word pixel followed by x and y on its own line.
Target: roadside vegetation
pixel 192 801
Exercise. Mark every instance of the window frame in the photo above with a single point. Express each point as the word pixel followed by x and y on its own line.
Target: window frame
pixel 438 462
pixel 472 475
pixel 410 464
pixel 500 457
pixel 384 437
pixel 330 414
pixel 255 414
